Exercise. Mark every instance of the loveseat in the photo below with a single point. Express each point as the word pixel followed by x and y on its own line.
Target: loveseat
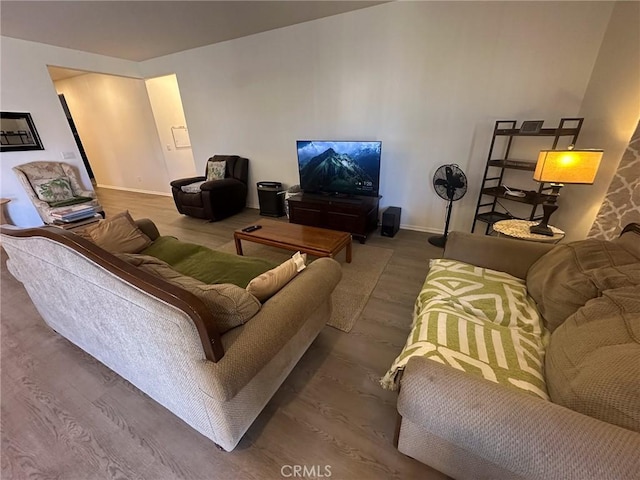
pixel 169 334
pixel 524 361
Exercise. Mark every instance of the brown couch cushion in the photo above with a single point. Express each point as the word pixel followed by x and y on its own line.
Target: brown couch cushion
pixel 231 305
pixel 592 361
pixel 564 279
pixel 118 234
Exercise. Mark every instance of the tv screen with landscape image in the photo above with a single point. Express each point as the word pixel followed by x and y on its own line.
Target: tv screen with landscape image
pixel 339 167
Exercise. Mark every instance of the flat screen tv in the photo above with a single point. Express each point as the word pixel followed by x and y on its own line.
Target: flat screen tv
pixel 338 167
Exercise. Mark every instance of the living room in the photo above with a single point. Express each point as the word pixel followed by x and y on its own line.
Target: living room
pixel 428 79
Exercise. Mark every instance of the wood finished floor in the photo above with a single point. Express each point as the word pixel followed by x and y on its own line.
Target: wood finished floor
pixel 66 416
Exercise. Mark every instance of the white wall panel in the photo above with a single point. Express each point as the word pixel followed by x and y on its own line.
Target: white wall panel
pixel 164 95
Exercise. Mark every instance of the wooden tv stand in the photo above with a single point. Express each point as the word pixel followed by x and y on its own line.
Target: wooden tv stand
pixel 356 215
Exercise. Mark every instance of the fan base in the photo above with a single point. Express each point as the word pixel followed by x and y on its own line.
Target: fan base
pixel 438 241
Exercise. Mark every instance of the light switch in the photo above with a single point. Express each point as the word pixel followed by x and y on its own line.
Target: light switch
pixel 68 155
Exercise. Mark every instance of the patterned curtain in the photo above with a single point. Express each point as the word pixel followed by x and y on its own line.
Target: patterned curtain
pixel 621 205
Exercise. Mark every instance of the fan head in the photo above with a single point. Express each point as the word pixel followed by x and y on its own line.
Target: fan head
pixel 450 182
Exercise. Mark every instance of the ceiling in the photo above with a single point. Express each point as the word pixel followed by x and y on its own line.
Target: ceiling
pixel 141 30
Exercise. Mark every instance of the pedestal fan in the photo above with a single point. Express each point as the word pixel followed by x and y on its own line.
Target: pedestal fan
pixel 449 183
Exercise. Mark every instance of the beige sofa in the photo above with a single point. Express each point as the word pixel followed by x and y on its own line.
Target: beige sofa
pixel 162 338
pixel 589 296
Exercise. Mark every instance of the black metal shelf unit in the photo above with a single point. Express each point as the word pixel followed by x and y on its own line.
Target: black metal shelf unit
pixel 497 162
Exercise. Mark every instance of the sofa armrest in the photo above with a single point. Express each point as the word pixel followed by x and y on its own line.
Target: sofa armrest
pixel 186 181
pixel 86 193
pixel 148 228
pixel 278 320
pixel 220 184
pixel 526 435
pixel 41 205
pixel 503 254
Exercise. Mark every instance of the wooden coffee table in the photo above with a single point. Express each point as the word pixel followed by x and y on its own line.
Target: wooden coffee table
pixel 319 242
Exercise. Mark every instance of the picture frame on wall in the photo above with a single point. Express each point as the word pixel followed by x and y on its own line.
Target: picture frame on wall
pixel 18 132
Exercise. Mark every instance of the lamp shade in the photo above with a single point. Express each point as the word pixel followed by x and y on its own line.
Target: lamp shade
pixel 567 166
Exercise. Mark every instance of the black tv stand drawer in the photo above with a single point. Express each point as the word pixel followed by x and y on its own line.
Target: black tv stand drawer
pixel 354 214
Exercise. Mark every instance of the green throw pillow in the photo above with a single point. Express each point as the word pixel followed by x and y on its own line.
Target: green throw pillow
pixel 206 265
pixel 56 190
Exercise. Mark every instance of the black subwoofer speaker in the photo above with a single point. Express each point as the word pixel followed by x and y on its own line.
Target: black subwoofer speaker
pixel 390 222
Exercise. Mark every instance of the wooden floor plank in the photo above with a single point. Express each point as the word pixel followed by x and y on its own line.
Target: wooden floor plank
pixel 67 416
pixel 54 423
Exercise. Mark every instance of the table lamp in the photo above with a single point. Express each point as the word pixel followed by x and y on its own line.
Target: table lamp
pixel 558 167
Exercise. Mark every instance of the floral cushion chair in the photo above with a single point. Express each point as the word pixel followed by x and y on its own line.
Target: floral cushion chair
pixel 53 187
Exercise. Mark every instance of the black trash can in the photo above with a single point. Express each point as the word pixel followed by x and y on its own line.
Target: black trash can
pixel 271 198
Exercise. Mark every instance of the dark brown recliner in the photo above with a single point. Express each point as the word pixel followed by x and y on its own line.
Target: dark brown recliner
pixel 217 199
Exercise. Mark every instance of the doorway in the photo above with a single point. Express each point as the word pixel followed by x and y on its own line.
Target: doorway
pixel 126 125
pixel 76 137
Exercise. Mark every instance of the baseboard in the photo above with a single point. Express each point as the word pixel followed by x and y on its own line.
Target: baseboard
pixel 416 228
pixel 135 190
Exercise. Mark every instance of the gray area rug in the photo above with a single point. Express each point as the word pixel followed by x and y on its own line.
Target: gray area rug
pixel 359 277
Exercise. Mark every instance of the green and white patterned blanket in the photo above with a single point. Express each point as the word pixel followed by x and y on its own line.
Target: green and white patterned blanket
pixel 480 321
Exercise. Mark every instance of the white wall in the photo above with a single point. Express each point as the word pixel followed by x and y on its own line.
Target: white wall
pixel 612 106
pixel 164 95
pixel 427 78
pixel 27 87
pixel 116 124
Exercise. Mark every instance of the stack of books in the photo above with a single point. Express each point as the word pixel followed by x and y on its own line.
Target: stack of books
pixel 78 224
pixel 74 213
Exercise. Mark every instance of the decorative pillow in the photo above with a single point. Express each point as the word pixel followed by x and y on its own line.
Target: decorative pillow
pixel 269 283
pixel 591 364
pixel 231 305
pixel 192 187
pixel 570 275
pixel 216 170
pixel 118 234
pixel 56 190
